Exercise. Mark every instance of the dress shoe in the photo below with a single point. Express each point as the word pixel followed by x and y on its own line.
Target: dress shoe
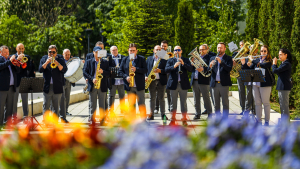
pixel 205 112
pixel 196 117
pixel 162 117
pixel 155 111
pixel 68 114
pixel 242 113
pixel 266 124
pixel 150 117
pixel 64 120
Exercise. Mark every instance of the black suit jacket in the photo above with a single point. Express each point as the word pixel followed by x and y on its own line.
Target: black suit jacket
pixel 173 77
pixel 266 65
pixel 56 74
pixel 5 74
pixel 284 75
pixel 201 78
pixel 141 70
pixel 162 65
pixel 225 68
pixel 23 72
pixel 89 73
pixel 111 80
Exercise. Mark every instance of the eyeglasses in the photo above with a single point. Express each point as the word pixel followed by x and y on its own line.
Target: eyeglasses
pixel 177 50
pixel 263 51
pixel 51 52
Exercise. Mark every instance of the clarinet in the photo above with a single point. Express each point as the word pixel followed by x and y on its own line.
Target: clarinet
pixel 179 67
pixel 215 61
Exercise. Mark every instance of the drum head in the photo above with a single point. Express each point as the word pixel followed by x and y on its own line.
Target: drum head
pixel 72 65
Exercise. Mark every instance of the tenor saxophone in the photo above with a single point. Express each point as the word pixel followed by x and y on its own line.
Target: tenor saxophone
pixel 131 74
pixel 152 75
pixel 98 76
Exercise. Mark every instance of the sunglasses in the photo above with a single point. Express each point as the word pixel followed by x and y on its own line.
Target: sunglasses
pixel 51 52
pixel 177 50
pixel 263 51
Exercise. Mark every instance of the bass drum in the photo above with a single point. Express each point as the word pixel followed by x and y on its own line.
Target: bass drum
pixel 74 73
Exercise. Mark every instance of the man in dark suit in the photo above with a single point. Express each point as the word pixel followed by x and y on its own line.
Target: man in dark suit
pixel 139 67
pixel 108 57
pixel 54 79
pixel 200 83
pixel 221 66
pixel 158 86
pixel 115 83
pixel 178 82
pixel 89 72
pixel 8 75
pixel 23 73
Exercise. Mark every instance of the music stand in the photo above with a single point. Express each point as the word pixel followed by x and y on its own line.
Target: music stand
pixel 32 85
pixel 251 75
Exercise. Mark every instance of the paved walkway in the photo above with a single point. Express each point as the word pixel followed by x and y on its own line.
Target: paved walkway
pixel 79 113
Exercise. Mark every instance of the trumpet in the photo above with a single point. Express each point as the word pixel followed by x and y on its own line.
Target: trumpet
pixel 53 64
pixel 18 63
pixel 252 56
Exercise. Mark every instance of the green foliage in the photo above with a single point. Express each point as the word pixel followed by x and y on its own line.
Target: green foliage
pixel 184 27
pixel 12 31
pixel 295 94
pixel 226 26
pixel 263 31
pixel 252 19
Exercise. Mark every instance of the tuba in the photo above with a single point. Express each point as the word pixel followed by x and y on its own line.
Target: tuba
pixel 98 76
pixel 257 42
pixel 235 69
pixel 198 61
pixel 131 74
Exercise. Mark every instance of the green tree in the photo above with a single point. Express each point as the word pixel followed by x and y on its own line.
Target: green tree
pixel 184 27
pixel 263 30
pixel 295 43
pixel 252 19
pixel 12 31
pixel 226 29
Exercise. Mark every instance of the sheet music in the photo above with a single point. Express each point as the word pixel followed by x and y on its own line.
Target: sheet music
pixel 232 46
pixel 161 54
pixel 131 56
pixel 102 53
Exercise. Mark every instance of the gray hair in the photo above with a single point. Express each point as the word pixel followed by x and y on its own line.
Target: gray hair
pixel 99 43
pixel 205 45
pixel 65 50
pixel 52 47
pixel 3 47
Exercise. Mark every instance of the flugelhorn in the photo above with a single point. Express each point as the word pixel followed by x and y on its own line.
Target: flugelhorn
pixel 53 64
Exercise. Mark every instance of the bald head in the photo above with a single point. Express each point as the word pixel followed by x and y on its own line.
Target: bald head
pixel 67 54
pixel 114 50
pixel 20 48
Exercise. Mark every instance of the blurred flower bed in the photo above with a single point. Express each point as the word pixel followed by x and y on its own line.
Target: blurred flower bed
pixel 127 144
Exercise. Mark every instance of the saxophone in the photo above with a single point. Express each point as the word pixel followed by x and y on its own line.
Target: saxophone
pixel 152 75
pixel 131 74
pixel 98 76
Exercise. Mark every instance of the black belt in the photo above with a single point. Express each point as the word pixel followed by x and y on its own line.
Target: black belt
pixel 195 79
pixel 218 82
